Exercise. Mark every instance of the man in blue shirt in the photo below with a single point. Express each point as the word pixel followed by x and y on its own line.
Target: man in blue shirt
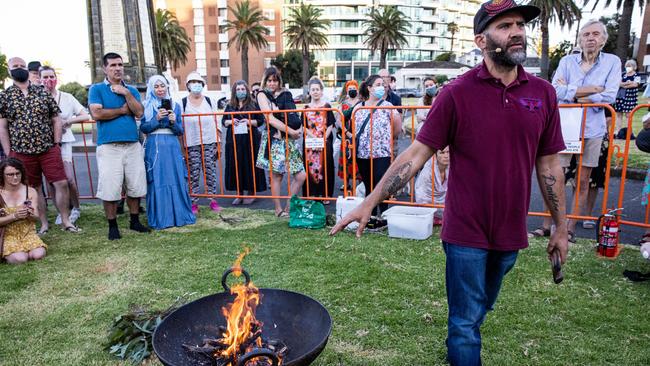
pixel 588 77
pixel 120 161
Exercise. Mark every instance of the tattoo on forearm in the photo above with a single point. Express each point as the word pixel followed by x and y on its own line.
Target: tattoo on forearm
pixel 397 179
pixel 552 198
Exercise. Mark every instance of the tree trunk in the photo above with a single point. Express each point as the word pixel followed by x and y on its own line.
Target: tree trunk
pixel 451 49
pixel 383 54
pixel 305 71
pixel 244 62
pixel 543 20
pixel 623 39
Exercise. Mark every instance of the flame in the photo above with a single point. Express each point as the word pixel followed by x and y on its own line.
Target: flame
pixel 237 265
pixel 240 317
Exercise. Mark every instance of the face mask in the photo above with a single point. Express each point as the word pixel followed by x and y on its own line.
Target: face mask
pixel 268 90
pixel 432 91
pixel 196 88
pixel 352 93
pixel 241 95
pixel 629 69
pixel 378 92
pixel 19 75
pixel 50 84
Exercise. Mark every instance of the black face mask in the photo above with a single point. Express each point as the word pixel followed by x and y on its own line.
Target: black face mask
pixel 352 93
pixel 19 75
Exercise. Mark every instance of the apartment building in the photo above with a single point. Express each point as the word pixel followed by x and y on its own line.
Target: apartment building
pixel 204 21
pixel 347 57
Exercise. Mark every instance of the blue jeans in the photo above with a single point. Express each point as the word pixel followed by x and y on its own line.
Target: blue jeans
pixel 473 280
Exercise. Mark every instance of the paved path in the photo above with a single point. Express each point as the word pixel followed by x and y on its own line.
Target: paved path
pixel 632 198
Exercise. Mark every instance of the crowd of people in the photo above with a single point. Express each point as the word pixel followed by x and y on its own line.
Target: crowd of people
pixel 147 147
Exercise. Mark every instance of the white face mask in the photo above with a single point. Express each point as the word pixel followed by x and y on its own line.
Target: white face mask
pixel 629 69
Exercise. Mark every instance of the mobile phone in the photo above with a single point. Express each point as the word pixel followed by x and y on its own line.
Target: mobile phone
pixel 166 104
pixel 556 267
pixel 28 203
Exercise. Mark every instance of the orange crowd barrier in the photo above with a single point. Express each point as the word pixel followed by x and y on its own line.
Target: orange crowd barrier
pixel 618 152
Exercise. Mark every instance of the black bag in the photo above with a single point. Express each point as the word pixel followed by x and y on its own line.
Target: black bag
pixel 643 140
pixel 621 93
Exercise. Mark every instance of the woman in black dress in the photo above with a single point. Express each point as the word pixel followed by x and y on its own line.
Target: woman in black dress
pixel 242 144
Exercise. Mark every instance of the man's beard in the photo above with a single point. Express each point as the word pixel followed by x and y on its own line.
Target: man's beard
pixel 506 58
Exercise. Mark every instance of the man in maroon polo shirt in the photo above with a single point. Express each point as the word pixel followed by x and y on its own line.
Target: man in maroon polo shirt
pixel 495 141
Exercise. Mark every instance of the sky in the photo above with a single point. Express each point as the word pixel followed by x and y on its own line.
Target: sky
pixel 57 32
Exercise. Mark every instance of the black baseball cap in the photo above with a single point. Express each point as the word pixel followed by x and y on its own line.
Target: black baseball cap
pixel 34 65
pixel 494 8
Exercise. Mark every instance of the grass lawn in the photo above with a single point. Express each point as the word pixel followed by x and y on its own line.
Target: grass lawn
pixel 386 296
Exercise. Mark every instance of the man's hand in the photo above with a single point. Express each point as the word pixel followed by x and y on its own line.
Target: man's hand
pixel 361 214
pixel 125 110
pixel 559 240
pixel 172 116
pixel 584 100
pixel 119 89
pixel 561 82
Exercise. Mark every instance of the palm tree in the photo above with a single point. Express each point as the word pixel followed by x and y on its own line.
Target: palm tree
pixel 249 31
pixel 627 8
pixel 565 12
pixel 173 41
pixel 386 30
pixel 453 29
pixel 304 30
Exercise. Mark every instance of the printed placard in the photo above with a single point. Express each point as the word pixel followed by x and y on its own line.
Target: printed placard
pixel 241 128
pixel 571 121
pixel 314 143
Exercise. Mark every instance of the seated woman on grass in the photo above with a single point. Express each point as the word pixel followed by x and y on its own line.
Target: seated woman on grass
pixel 18 215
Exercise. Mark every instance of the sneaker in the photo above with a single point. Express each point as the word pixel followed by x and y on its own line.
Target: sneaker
pixel 376 224
pixel 58 220
pixel 237 201
pixel 214 206
pixel 75 213
pixel 195 209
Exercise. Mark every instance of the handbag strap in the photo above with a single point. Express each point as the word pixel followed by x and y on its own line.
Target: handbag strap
pixel 365 122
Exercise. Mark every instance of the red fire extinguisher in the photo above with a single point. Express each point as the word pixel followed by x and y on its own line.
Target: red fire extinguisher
pixel 607 233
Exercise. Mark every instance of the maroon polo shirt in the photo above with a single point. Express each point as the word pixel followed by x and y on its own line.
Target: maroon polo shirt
pixel 495 133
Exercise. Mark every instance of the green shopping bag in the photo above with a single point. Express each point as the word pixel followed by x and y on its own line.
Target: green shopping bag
pixel 306 214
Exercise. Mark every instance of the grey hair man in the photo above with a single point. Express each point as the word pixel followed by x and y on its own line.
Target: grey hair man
pixel 591 76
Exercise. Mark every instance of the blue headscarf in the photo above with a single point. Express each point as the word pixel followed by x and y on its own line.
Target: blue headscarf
pixel 152 101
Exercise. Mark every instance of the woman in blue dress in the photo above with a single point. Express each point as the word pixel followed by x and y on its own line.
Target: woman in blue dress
pixel 168 199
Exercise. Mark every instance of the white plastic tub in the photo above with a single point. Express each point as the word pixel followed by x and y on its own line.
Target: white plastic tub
pixel 345 205
pixel 409 222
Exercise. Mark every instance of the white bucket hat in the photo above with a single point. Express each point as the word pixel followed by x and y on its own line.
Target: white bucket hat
pixel 194 76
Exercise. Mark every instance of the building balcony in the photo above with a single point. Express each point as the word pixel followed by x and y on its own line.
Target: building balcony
pixel 221 20
pixel 223 37
pixel 646 60
pixel 345 31
pixel 222 4
pixel 647 39
pixel 224 54
pixel 430 18
pixel 224 71
pixel 431 4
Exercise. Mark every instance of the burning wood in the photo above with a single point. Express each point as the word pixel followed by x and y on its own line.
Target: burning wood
pixel 243 332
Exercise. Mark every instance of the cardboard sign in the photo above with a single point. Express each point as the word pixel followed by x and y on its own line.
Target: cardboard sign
pixel 314 143
pixel 571 121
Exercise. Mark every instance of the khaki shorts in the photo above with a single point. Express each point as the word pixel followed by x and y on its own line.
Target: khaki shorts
pixel 121 165
pixel 590 153
pixel 66 152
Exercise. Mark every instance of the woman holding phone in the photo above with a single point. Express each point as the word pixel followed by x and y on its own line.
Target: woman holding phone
pixel 18 215
pixel 168 198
